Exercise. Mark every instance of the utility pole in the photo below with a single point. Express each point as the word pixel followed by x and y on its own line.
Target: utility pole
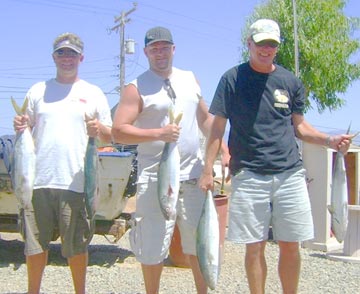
pixel 296 43
pixel 122 20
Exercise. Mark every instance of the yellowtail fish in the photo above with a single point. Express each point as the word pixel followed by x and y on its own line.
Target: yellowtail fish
pixel 169 174
pixel 207 242
pixel 91 173
pixel 23 162
pixel 338 207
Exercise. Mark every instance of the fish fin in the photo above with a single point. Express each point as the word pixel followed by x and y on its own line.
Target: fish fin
pixel 336 220
pixel 20 110
pixel 170 191
pixel 330 209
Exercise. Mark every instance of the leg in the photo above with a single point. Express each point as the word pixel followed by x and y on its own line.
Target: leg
pixel 76 233
pixel 200 284
pixel 36 228
pixel 35 266
pixel 255 265
pixel 292 223
pixel 289 266
pixel 78 264
pixel 152 274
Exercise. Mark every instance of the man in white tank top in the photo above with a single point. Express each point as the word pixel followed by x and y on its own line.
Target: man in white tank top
pixel 142 118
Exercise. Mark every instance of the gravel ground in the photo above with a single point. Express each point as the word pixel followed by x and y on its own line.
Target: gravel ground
pixel 113 269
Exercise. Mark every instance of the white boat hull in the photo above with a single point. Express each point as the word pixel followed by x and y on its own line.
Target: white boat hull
pixel 114 170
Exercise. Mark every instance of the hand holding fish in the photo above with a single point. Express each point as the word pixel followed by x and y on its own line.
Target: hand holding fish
pixel 92 126
pixel 170 133
pixel 341 142
pixel 21 122
pixel 206 181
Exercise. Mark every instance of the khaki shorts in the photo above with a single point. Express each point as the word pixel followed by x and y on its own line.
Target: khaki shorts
pixel 53 211
pixel 151 234
pixel 260 201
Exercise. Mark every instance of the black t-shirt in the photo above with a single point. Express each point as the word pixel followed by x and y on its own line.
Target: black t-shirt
pixel 259 108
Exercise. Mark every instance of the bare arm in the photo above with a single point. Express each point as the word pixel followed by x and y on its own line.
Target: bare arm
pixel 203 117
pixel 306 132
pixel 123 131
pixel 104 133
pixel 205 120
pixel 214 144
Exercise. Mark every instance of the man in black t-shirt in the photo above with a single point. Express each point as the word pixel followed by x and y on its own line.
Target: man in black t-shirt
pixel 264 104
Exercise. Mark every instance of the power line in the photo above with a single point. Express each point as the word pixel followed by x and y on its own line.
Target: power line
pixel 70 6
pixel 189 17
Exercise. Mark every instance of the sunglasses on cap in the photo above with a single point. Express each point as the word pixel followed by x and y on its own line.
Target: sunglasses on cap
pixel 66 52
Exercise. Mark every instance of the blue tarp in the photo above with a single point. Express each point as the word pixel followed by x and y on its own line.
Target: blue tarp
pixel 6 150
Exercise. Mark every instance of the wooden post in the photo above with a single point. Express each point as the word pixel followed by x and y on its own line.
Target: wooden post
pixel 352 238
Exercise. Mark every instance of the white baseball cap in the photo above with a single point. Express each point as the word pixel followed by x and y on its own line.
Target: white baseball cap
pixel 265 29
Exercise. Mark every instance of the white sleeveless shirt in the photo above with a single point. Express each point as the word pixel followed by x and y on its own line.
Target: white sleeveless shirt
pixel 154 114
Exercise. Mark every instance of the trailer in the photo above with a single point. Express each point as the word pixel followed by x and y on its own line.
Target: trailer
pixel 117 184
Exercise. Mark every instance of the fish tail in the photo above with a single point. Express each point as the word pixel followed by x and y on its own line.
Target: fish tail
pixel 171 115
pixel 348 129
pixel 178 118
pixel 355 135
pixel 20 110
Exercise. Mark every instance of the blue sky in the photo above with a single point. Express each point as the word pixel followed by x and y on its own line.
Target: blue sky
pixel 207 39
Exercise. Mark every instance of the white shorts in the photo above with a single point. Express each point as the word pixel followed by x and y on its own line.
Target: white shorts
pixel 280 200
pixel 151 233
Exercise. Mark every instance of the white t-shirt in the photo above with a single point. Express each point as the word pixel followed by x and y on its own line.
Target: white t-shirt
pixel 57 115
pixel 154 114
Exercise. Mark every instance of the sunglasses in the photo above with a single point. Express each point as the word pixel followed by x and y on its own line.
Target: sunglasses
pixel 265 43
pixel 170 91
pixel 67 52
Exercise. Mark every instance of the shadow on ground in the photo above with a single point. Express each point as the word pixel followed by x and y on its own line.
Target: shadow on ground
pixel 12 252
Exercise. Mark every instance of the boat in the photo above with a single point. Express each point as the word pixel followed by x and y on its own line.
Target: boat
pixel 117 183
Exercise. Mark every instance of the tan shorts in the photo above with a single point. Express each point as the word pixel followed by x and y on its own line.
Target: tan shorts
pixel 52 211
pixel 151 234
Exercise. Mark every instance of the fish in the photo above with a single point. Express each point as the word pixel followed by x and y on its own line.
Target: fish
pixel 338 207
pixel 23 162
pixel 168 184
pixel 91 175
pixel 208 241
